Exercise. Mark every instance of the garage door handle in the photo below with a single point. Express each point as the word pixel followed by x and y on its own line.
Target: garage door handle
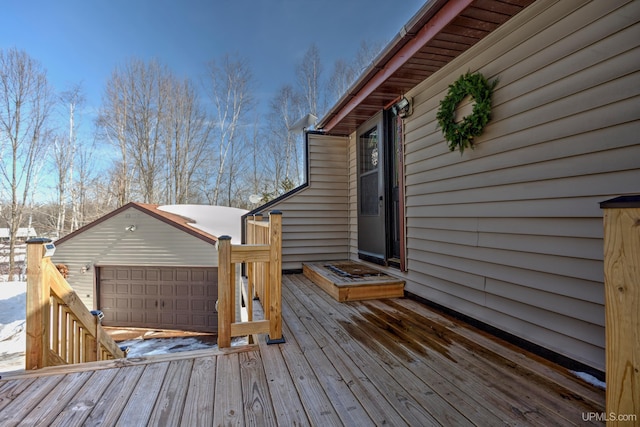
pixel 156 303
pixel 162 304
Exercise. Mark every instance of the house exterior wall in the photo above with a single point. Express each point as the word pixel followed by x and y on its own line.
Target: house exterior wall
pixel 510 233
pixel 314 219
pixel 153 243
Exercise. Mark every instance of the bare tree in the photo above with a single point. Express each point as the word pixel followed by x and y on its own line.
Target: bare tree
pixel 345 73
pixel 187 133
pixel 63 156
pixel 283 145
pixel 309 73
pixel 25 103
pixel 73 98
pixel 131 116
pixel 62 164
pixel 85 181
pixel 113 124
pixel 229 83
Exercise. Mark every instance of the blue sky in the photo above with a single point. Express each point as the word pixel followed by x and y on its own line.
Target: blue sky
pixel 83 40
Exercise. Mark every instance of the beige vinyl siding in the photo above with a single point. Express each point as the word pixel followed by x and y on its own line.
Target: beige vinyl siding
pixel 511 233
pixel 153 243
pixel 315 222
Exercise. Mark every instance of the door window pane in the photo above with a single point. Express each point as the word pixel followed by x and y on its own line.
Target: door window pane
pixel 369 151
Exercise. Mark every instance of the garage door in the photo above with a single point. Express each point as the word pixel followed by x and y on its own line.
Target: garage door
pixel 180 298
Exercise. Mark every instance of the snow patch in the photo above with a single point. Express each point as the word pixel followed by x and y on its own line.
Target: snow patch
pixel 590 379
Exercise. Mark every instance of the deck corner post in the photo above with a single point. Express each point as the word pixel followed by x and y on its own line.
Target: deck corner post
pixel 621 221
pixel 275 277
pixel 225 291
pixel 38 302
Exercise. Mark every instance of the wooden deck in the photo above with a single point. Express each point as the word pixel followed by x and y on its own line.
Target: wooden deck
pixel 383 362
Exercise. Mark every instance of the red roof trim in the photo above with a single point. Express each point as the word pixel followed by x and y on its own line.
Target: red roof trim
pixel 440 20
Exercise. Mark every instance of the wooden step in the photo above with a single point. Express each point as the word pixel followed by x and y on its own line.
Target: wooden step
pixel 353 281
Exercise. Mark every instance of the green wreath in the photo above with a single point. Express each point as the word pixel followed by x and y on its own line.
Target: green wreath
pixel 460 135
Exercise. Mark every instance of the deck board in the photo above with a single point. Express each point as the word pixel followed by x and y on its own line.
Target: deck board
pixel 79 408
pixel 108 409
pixel 228 408
pixel 198 409
pixel 170 402
pixel 374 362
pixel 138 409
pixel 286 402
pixel 257 404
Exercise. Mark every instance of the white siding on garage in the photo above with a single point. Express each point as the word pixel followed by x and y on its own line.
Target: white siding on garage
pixel 511 233
pixel 315 225
pixel 153 243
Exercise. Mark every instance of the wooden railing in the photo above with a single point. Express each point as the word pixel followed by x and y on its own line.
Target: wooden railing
pixel 263 258
pixel 60 329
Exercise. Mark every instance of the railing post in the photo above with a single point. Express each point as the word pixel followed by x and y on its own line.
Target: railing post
pixel 275 278
pixel 225 291
pixel 622 298
pixel 38 310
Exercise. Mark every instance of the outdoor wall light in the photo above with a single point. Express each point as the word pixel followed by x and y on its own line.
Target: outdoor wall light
pixel 131 228
pixel 85 268
pixel 402 108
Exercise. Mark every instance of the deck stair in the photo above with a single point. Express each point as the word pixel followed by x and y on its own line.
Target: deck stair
pixel 353 281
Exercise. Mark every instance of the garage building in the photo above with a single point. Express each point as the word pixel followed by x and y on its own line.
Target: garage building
pixel 150 266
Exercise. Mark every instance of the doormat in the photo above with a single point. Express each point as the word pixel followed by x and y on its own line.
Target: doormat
pixel 352 269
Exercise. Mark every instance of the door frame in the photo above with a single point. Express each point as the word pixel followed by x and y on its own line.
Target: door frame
pixel 369 226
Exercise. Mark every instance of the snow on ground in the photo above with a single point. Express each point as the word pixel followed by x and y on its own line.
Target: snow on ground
pixel 13 335
pixel 13 309
pixel 215 220
pixel 590 379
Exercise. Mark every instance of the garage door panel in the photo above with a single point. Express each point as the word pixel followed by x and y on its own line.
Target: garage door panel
pixel 152 297
pixel 137 275
pixel 183 275
pixel 137 317
pixel 152 275
pixel 198 305
pixel 198 276
pixel 198 291
pixel 182 289
pixel 182 304
pixel 122 274
pixel 122 289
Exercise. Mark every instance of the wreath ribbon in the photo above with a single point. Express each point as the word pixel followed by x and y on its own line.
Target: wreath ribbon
pixel 460 135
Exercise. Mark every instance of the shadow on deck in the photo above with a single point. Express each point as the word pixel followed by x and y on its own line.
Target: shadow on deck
pixel 393 361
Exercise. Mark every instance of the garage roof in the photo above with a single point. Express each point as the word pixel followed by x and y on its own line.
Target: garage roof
pixel 179 221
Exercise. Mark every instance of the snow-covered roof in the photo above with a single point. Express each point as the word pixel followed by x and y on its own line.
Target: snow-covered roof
pixel 203 221
pixel 215 220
